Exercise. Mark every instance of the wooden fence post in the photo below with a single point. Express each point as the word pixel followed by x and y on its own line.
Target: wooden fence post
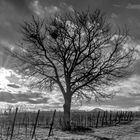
pixel 110 118
pixel 52 123
pixel 106 119
pixel 12 130
pixel 35 124
pixel 97 119
pixel 116 117
pixel 103 118
pixel 131 117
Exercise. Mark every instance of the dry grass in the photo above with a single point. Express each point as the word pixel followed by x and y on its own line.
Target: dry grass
pixel 122 132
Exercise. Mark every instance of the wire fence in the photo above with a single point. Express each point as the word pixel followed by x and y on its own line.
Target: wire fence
pixel 16 123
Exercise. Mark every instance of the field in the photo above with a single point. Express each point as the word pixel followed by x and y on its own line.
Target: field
pixel 98 125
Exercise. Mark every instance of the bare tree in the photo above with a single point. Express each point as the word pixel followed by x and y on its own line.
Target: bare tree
pixel 76 52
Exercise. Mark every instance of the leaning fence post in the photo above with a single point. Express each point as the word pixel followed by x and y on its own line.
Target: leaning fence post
pixel 51 125
pixel 35 123
pixel 106 119
pixel 97 119
pixel 131 116
pixel 110 118
pixel 103 118
pixel 13 124
pixel 8 133
pixel 116 117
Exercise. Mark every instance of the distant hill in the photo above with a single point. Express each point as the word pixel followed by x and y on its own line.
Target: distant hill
pixel 93 110
pixel 97 110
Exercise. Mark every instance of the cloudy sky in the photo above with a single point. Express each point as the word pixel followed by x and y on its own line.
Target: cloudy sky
pixel 14 12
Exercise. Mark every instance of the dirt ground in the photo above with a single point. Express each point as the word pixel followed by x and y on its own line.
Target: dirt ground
pixel 121 132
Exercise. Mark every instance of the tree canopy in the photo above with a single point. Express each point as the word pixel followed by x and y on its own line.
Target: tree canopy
pixel 76 52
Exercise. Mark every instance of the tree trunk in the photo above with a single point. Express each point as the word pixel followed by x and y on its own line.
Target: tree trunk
pixel 67 107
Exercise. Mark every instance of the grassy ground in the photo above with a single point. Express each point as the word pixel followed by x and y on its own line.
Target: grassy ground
pixel 121 132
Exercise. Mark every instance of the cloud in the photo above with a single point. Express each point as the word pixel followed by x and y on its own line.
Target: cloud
pixel 34 98
pixel 21 6
pixel 3 74
pixel 128 87
pixel 133 6
pixel 47 10
pixel 30 98
pixel 116 5
pixel 113 15
pixel 11 81
pixel 13 85
pixel 37 8
pixel 133 43
pixel 65 7
pixel 137 67
pixel 12 91
pixel 6 44
pixel 52 9
pixel 14 12
pixel 43 10
pixel 11 14
pixel 127 97
pixel 7 97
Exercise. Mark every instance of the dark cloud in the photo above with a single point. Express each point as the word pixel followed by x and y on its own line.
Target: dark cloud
pixel 119 101
pixel 10 17
pixel 135 95
pixel 34 98
pixel 7 97
pixel 133 6
pixel 124 101
pixel 13 85
pixel 15 11
pixel 20 5
pixel 137 67
pixel 125 16
pixel 57 104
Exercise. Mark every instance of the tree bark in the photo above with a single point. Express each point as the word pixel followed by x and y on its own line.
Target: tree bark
pixel 67 107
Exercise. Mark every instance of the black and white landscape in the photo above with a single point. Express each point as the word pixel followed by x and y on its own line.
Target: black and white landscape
pixel 72 56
